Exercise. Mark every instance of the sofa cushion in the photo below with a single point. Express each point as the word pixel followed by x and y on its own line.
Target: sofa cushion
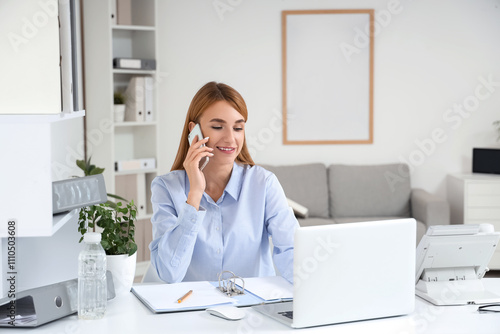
pixel 347 220
pixel 421 228
pixel 369 190
pixel 305 184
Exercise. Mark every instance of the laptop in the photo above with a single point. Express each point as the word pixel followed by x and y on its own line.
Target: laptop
pixel 350 272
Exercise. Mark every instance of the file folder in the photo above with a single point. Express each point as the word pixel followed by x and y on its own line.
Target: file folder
pixel 134 110
pixel 78 192
pixel 148 99
pixel 38 306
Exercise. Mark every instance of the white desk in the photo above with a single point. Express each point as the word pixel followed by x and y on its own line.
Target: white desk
pixel 127 314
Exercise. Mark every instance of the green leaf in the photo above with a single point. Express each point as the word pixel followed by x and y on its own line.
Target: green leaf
pixel 105 244
pixel 96 171
pixel 117 197
pixel 132 250
pixel 81 164
pixel 111 204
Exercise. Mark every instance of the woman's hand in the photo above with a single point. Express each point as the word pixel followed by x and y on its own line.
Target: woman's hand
pixel 191 164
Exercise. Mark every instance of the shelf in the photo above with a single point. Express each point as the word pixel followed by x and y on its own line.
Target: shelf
pixel 126 124
pixel 40 118
pixel 132 71
pixel 134 44
pixel 135 38
pixel 133 27
pixel 137 171
pixel 62 218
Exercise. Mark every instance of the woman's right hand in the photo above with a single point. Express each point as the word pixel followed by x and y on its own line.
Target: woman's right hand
pixel 197 183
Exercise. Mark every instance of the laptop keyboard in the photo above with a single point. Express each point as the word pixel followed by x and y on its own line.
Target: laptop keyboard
pixel 288 314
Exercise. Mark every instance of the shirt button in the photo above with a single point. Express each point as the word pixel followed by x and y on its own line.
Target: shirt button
pixel 217 228
pixel 218 251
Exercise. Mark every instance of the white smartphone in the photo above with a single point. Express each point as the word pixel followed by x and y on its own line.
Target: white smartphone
pixel 197 132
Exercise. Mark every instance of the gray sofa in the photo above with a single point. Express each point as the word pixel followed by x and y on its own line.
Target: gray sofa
pixel 352 193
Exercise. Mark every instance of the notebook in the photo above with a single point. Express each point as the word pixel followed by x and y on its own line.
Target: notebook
pixel 350 272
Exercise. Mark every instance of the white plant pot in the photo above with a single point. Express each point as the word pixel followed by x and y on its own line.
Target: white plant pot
pixel 123 269
pixel 119 112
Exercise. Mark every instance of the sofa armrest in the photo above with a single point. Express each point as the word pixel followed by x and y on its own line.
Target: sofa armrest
pixel 429 209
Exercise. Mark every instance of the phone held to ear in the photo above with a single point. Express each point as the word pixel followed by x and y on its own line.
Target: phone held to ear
pixel 197 132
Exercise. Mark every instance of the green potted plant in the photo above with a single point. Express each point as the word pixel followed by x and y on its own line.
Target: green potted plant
pixel 119 100
pixel 116 223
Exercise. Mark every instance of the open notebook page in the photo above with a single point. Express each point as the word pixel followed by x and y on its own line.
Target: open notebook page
pixel 163 297
pixel 270 287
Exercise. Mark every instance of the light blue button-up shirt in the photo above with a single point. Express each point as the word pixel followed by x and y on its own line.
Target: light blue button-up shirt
pixel 230 234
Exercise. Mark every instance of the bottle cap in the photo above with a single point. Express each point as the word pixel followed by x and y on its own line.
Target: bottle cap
pixel 92 237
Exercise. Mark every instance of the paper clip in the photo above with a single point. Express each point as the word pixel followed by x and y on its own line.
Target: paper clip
pixel 228 286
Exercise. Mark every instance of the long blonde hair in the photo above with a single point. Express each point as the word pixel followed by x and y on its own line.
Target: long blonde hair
pixel 207 95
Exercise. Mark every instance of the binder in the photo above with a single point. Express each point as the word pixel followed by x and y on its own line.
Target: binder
pixel 133 187
pixel 134 106
pixel 261 290
pixel 35 307
pixel 124 12
pixel 135 164
pixel 135 63
pixel 141 195
pixel 78 192
pixel 148 99
pixel 114 12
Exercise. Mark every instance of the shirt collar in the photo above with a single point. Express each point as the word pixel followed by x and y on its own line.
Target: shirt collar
pixel 234 185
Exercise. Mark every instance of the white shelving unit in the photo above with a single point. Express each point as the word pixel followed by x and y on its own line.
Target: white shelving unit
pixel 475 199
pixel 109 141
pixel 30 144
pixel 38 142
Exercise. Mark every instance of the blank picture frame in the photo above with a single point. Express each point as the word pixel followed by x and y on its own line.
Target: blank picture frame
pixel 327 79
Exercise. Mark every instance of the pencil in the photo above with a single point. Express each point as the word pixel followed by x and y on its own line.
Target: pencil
pixel 180 300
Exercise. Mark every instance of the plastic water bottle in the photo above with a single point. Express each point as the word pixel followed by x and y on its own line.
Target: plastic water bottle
pixel 92 287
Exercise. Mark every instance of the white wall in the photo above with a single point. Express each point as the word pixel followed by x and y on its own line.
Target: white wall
pixel 429 57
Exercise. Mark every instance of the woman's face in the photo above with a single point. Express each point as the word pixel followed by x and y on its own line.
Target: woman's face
pixel 225 128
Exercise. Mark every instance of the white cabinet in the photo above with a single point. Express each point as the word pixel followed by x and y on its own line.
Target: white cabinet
pixel 475 199
pixel 36 138
pixel 34 153
pixel 38 144
pixel 110 141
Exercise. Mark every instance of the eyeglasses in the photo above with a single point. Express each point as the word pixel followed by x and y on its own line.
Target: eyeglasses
pixel 489 308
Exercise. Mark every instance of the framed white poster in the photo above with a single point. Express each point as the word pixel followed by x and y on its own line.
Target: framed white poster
pixel 327 76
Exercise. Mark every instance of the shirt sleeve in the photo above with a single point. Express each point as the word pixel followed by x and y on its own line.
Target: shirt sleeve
pixel 175 228
pixel 281 224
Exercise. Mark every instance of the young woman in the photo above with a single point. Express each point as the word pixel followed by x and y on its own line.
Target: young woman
pixel 219 218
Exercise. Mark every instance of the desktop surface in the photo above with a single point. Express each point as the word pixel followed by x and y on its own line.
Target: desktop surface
pixel 126 314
